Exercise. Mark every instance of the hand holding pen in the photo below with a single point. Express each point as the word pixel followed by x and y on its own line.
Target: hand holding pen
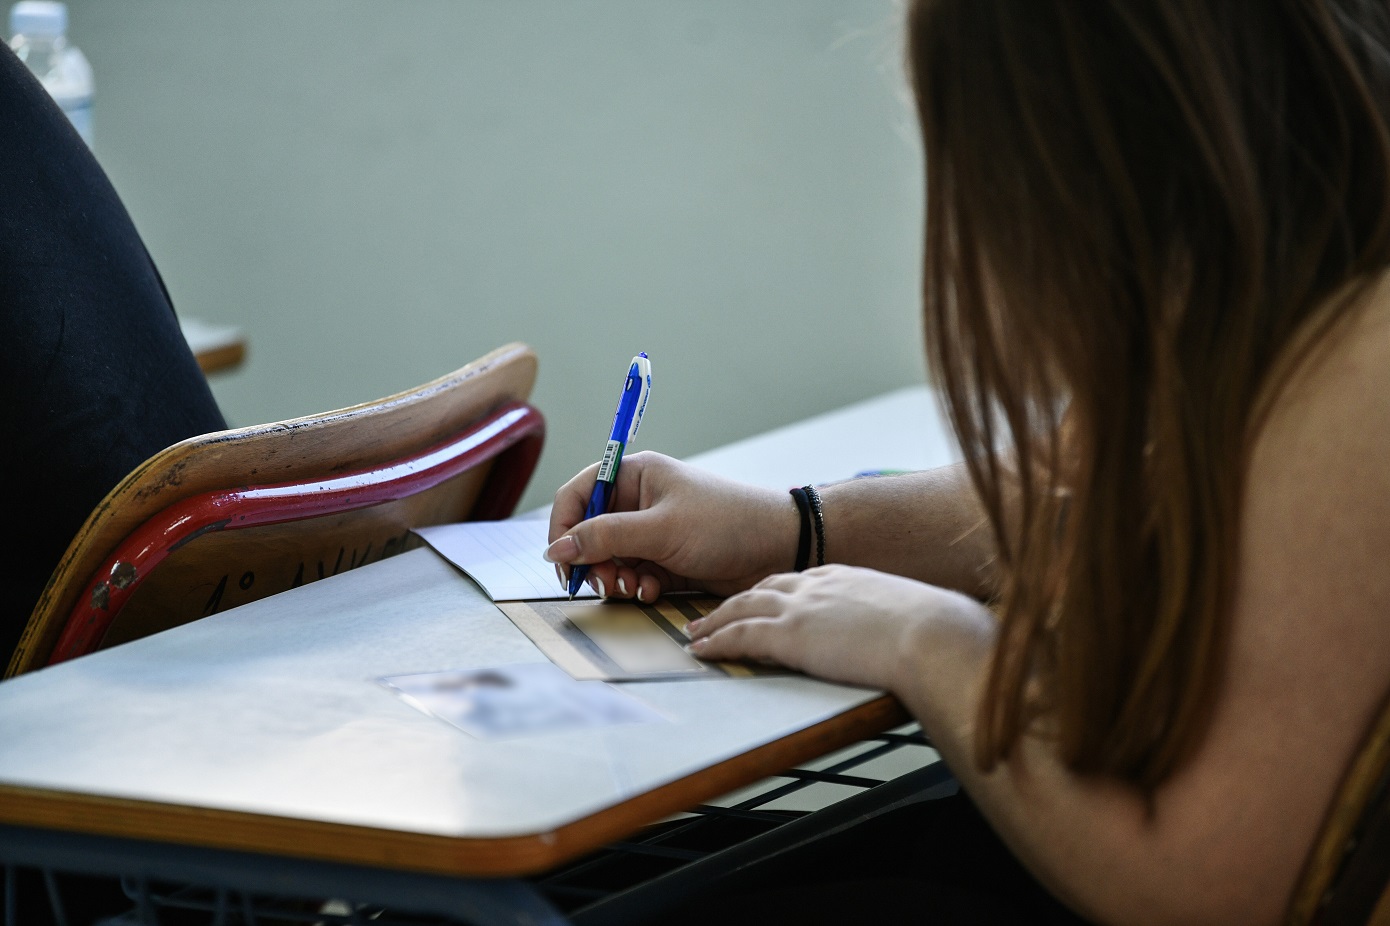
pixel 631 404
pixel 671 527
pixel 679 528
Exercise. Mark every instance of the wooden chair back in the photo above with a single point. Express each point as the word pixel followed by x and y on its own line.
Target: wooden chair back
pixel 1346 880
pixel 238 515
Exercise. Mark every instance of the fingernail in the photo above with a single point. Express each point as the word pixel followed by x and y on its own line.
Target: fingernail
pixel 639 593
pixel 560 575
pixel 693 626
pixel 598 587
pixel 696 646
pixel 563 550
pixel 622 586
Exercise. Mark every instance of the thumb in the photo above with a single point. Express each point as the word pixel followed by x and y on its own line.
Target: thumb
pixel 622 534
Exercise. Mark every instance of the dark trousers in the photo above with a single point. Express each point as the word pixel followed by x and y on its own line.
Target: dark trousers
pixel 95 376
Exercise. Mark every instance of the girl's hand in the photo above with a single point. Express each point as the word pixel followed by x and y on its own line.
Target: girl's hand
pixel 842 623
pixel 673 527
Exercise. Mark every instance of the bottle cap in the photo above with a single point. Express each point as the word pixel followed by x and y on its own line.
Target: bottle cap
pixel 39 17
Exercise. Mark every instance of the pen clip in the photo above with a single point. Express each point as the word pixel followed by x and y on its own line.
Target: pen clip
pixel 642 369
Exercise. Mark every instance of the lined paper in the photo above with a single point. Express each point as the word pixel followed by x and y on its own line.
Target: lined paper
pixel 504 557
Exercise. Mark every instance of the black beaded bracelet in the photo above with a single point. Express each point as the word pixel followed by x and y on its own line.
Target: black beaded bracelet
pixel 818 518
pixel 803 543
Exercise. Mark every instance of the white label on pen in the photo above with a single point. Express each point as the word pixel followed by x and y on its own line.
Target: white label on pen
pixel 608 467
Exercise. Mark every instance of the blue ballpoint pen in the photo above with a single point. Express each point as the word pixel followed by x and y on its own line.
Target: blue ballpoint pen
pixel 631 404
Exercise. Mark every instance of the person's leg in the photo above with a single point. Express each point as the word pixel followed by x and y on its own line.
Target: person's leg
pixel 95 375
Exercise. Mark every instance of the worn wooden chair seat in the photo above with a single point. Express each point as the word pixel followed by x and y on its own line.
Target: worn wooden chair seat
pixel 237 515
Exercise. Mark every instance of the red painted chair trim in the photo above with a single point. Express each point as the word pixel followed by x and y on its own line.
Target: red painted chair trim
pixel 513 434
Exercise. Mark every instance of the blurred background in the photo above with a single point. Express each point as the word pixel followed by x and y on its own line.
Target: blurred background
pixel 376 193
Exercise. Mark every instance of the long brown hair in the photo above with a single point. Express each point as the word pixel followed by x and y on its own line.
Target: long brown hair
pixel 1132 207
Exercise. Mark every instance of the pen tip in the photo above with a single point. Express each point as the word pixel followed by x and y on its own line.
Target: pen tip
pixel 571 596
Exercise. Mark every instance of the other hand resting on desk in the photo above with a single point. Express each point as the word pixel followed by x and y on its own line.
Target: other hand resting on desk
pixel 678 528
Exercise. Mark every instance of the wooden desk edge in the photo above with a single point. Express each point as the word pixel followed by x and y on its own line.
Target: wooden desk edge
pixel 221 358
pixel 446 855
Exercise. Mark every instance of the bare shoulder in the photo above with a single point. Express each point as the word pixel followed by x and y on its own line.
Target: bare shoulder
pixel 1312 613
pixel 1340 390
pixel 1318 485
pixel 1309 657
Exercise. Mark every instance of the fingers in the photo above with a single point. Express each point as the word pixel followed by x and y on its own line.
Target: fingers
pixel 625 534
pixel 759 601
pixel 570 501
pixel 653 581
pixel 638 473
pixel 649 587
pixel 624 584
pixel 782 581
pixel 602 578
pixel 754 604
pixel 643 581
pixel 756 638
pixel 572 498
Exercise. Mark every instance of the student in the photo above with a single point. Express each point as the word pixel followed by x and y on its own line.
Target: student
pixel 95 375
pixel 1157 311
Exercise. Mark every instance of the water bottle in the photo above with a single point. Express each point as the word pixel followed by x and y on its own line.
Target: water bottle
pixel 39 38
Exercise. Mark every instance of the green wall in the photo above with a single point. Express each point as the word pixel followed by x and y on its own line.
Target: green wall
pixel 379 192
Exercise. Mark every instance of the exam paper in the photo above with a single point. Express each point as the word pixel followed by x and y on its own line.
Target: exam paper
pixel 504 557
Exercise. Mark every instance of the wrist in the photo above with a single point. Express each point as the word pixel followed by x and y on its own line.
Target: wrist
pixel 778 528
pixel 948 646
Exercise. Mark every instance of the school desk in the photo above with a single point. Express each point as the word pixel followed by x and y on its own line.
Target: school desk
pixel 258 740
pixel 216 347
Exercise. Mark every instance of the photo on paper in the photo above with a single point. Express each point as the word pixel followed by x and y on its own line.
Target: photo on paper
pixel 526 699
pixel 627 641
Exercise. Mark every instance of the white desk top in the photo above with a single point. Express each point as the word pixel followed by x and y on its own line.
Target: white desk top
pixel 203 336
pixel 272 708
pixel 216 347
pixel 902 430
